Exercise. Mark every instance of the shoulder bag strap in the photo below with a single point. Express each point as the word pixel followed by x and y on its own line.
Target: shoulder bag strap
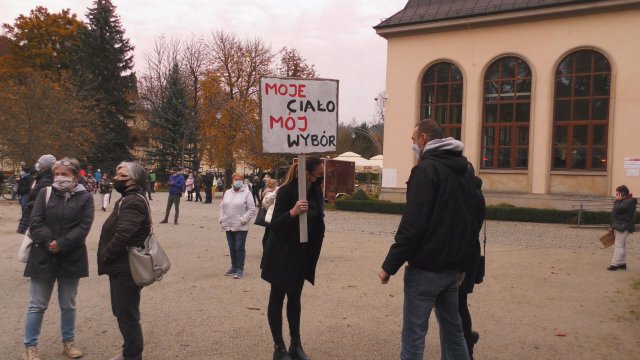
pixel 49 191
pixel 148 208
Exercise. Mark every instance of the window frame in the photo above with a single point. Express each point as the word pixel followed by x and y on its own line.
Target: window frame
pixel 428 109
pixel 510 129
pixel 571 123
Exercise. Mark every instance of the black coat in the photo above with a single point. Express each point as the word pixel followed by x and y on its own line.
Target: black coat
pixel 43 180
pixel 128 225
pixel 285 261
pixel 623 214
pixel 437 226
pixel 68 221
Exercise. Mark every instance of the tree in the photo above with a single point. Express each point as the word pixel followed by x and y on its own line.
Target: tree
pixel 43 117
pixel 169 121
pixel 44 41
pixel 237 66
pixel 293 64
pixel 104 76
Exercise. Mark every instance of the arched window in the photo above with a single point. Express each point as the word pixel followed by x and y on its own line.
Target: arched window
pixel 505 115
pixel 442 97
pixel 581 112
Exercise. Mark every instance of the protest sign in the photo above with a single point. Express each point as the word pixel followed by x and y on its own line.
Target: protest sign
pixel 299 116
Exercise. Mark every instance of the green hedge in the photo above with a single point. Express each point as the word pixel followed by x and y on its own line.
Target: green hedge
pixel 498 212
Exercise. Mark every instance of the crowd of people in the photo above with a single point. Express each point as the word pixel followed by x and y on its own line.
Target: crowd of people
pixel 437 239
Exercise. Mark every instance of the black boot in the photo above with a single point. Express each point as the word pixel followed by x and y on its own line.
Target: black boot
pixel 280 352
pixel 296 352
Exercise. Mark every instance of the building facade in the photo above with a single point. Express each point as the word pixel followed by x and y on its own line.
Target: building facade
pixel 545 97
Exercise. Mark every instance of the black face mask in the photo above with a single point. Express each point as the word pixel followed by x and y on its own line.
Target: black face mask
pixel 120 185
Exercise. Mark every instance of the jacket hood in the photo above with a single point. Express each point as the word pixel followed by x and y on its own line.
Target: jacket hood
pixel 447 152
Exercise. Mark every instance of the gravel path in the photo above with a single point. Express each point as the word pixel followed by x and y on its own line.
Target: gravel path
pixel 546 295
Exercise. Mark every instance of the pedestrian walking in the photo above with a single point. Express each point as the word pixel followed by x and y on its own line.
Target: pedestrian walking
pixel 471 272
pixel 236 211
pixel 128 225
pixel 149 184
pixel 152 181
pixel 59 227
pixel 286 262
pixel 434 237
pixel 623 217
pixel 106 186
pixel 176 188
pixel 43 178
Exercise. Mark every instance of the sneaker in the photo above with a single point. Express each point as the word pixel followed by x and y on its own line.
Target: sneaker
pixel 239 274
pixel 31 353
pixel 163 221
pixel 230 272
pixel 70 350
pixel 622 267
pixel 612 268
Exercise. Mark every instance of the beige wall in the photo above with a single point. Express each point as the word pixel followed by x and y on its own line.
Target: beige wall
pixel 542 43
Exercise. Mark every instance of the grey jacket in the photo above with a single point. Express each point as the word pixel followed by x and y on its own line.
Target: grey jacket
pixel 68 221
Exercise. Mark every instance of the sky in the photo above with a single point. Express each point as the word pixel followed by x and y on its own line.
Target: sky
pixel 334 35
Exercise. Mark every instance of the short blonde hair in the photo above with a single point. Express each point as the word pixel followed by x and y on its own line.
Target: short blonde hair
pixel 238 175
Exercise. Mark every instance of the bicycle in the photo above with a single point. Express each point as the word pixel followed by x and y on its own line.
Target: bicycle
pixel 9 189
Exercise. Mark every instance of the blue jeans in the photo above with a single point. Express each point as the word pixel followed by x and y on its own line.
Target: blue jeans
pixel 423 291
pixel 40 293
pixel 237 241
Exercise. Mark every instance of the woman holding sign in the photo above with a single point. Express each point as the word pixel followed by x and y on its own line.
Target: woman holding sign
pixel 287 262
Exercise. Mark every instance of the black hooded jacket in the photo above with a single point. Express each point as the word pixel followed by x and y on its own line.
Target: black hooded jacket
pixel 438 225
pixel 43 179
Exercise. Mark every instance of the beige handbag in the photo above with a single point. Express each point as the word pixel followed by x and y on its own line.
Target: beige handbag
pixel 27 242
pixel 150 263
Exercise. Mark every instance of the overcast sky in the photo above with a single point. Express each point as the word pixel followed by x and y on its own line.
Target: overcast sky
pixel 334 35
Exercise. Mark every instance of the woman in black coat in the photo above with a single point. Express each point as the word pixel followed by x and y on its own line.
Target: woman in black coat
pixel 128 225
pixel 286 262
pixel 60 222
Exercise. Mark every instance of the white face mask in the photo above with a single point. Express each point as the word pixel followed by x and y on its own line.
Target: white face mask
pixel 416 150
pixel 37 166
pixel 237 184
pixel 64 183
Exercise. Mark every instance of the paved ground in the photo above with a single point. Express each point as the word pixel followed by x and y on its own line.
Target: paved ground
pixel 547 295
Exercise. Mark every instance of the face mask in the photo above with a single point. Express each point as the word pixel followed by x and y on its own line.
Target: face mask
pixel 416 150
pixel 237 184
pixel 37 166
pixel 64 183
pixel 120 185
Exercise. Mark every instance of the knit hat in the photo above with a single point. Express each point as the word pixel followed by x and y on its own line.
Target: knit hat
pixel 46 161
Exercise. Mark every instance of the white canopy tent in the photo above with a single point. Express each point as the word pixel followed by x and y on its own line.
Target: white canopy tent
pixel 362 165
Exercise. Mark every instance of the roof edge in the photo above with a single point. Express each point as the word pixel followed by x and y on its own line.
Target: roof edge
pixel 386 31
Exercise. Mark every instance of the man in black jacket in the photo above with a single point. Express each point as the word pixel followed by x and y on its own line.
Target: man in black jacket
pixel 434 237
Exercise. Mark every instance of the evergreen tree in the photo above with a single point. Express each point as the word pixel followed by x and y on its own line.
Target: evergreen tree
pixel 169 123
pixel 104 75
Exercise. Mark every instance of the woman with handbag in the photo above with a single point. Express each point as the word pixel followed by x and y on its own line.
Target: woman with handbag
pixel 59 227
pixel 127 226
pixel 286 262
pixel 236 210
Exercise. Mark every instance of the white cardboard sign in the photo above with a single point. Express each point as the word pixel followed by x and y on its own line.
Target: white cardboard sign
pixel 299 116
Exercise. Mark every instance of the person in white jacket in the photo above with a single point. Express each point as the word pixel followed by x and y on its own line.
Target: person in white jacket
pixel 236 211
